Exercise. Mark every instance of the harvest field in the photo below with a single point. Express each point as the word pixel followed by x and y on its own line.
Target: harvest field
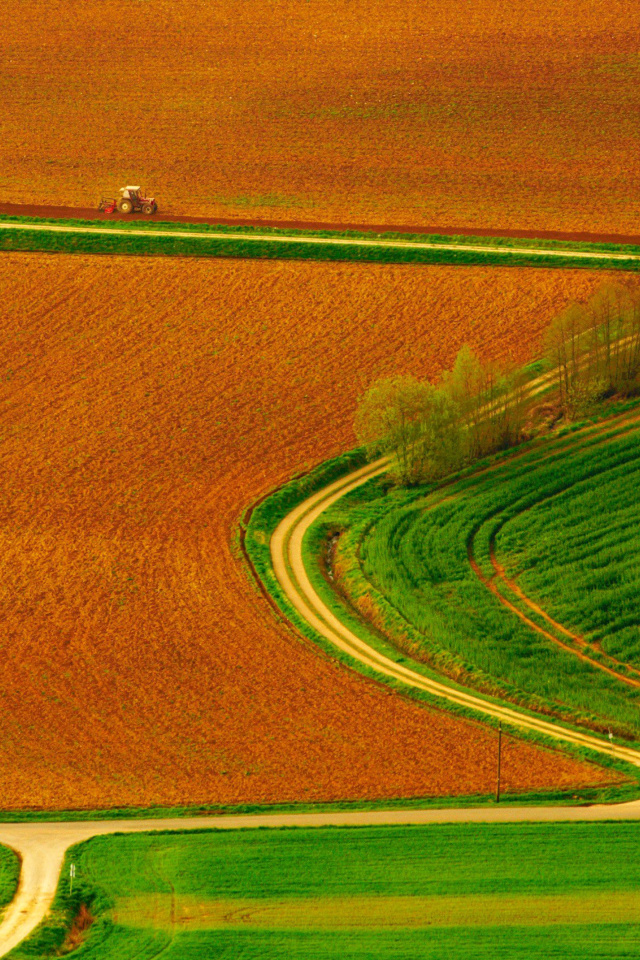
pixel 447 891
pixel 441 569
pixel 484 114
pixel 144 405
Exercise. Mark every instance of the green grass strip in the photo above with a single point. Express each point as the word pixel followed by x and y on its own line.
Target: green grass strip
pixel 148 239
pixel 9 875
pixel 450 891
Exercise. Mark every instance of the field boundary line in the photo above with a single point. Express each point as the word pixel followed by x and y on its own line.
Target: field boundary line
pixel 43 846
pixel 325 241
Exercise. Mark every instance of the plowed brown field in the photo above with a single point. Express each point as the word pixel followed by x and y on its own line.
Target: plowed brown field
pixel 144 404
pixel 478 113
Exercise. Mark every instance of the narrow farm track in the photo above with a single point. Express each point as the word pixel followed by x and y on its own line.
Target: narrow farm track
pixel 577 645
pixel 380 244
pixel 490 584
pixel 288 564
pixel 511 585
pixel 42 846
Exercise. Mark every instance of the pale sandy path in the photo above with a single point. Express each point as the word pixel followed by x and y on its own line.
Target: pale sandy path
pixel 330 241
pixel 288 564
pixel 42 846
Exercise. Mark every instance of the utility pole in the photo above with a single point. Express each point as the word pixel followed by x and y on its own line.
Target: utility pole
pixel 499 759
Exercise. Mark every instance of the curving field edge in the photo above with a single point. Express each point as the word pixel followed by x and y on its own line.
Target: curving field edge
pixel 288 565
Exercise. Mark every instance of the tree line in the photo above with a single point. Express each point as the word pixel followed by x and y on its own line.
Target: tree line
pixel 480 408
pixel 595 348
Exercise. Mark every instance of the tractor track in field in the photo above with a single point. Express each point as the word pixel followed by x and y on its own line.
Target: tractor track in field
pixel 536 608
pixel 42 846
pixel 490 584
pixel 577 645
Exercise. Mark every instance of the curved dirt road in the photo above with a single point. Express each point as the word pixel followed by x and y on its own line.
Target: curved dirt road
pixel 288 564
pixel 380 244
pixel 42 846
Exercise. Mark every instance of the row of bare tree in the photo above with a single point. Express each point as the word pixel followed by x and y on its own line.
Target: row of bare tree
pixel 480 408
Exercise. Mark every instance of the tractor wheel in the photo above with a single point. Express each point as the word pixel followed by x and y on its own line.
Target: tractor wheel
pixel 124 205
pixel 149 208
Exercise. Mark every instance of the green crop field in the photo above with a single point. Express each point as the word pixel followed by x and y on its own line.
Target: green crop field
pixel 445 891
pixel 590 535
pixel 520 578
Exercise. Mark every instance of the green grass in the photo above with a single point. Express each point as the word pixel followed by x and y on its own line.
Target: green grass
pixel 179 226
pixel 407 550
pixel 442 891
pixel 9 874
pixel 577 554
pixel 231 245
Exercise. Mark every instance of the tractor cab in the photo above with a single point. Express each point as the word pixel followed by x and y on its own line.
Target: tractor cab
pixel 131 200
pixel 130 193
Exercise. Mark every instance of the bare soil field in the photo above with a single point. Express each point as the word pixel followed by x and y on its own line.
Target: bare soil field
pixel 508 116
pixel 143 405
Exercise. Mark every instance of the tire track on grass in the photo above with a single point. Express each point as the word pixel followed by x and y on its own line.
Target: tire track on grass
pixel 501 574
pixel 491 583
pixel 42 846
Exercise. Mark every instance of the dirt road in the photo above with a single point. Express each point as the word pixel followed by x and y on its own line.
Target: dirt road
pixel 288 564
pixel 42 846
pixel 281 239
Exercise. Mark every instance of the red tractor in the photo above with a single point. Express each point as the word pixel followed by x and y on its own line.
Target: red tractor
pixel 131 200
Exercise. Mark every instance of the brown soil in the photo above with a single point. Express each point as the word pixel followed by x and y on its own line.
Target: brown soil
pixel 143 405
pixel 518 116
pixel 79 929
